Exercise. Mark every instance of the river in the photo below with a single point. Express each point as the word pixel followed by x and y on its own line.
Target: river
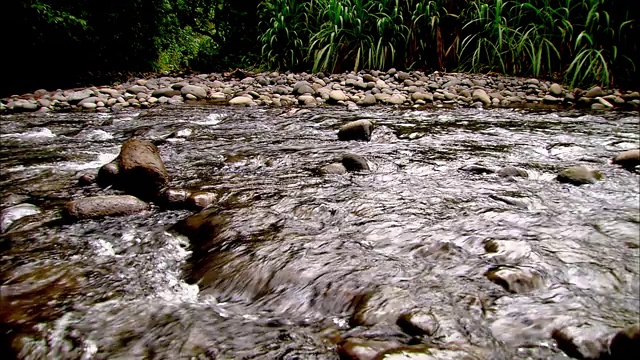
pixel 304 261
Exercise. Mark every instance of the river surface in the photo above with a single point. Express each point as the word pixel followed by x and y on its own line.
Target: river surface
pixel 304 261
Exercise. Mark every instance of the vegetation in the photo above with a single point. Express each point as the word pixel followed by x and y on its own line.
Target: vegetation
pixel 57 43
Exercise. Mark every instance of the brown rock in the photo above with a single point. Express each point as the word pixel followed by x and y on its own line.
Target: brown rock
pixel 100 206
pixel 142 172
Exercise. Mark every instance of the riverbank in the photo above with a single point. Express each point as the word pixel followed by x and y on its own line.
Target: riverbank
pixel 366 88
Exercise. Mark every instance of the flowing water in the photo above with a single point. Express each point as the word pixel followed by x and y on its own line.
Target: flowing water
pixel 301 261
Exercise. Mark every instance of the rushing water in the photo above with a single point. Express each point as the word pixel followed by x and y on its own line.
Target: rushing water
pixel 305 260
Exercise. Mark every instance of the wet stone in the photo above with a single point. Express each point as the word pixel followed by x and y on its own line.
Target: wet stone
pixel 628 159
pixel 356 130
pixel 512 171
pixel 582 342
pixel 514 279
pixel 335 169
pixel 418 323
pixel 353 162
pixel 364 349
pixel 625 344
pixel 477 169
pixel 579 175
pixel 107 205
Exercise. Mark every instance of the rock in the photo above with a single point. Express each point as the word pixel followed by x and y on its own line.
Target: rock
pixel 109 173
pixel 514 279
pixel 165 91
pixel 337 95
pixel 201 199
pixel 364 349
pixel 368 78
pixel 135 89
pixel 306 100
pixel 354 162
pixel 597 106
pixel 581 342
pixel 100 206
pixel 334 168
pixel 422 96
pixel 477 169
pixel 481 95
pixel 197 91
pixel 356 130
pixel 382 306
pixel 628 159
pixel 175 197
pixel 418 323
pixel 142 172
pixel 512 171
pixel 625 343
pixel 24 105
pixel 89 106
pixel 368 100
pixel 555 89
pixel 303 87
pixel 395 99
pixel 76 96
pixel 551 99
pixel 11 214
pixel 578 175
pixel 86 180
pixel 241 100
pixel 595 91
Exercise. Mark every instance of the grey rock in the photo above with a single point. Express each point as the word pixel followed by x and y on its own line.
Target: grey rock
pixel 555 89
pixel 477 169
pixel 368 100
pixel 101 206
pixel 337 95
pixel 356 130
pixel 165 91
pixel 481 95
pixel 135 89
pixel 604 102
pixel 76 96
pixel 174 197
pixel 512 171
pixel 303 87
pixel 89 105
pixel 594 92
pixel 578 175
pixel 334 168
pixel 201 199
pixel 368 78
pixel 197 91
pixel 551 99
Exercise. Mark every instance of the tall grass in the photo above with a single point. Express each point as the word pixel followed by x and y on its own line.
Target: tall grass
pixel 578 41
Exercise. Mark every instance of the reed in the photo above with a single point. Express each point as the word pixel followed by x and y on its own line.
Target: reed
pixel 578 41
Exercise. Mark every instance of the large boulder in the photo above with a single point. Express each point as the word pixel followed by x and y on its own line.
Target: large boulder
pixel 101 206
pixel 356 130
pixel 141 170
pixel 625 343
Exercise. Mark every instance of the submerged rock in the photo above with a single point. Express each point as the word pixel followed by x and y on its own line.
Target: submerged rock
pixel 418 323
pixel 334 168
pixel 514 279
pixel 11 214
pixel 512 171
pixel 356 130
pixel 354 162
pixel 108 205
pixel 628 159
pixel 579 175
pixel 477 169
pixel 364 349
pixel 582 342
pixel 625 343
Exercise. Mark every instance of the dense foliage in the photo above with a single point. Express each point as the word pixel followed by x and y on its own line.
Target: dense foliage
pixel 58 43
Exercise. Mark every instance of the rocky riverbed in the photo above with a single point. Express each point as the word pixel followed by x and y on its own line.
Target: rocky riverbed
pixel 353 90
